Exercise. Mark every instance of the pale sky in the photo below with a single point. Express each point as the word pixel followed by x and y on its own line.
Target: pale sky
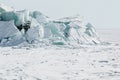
pixel 101 13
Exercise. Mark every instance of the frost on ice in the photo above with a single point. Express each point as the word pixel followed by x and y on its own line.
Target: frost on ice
pixel 32 26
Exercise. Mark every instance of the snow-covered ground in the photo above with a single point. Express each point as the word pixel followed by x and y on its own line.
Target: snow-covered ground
pixel 78 62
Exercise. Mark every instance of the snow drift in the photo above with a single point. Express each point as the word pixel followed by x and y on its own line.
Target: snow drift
pixel 33 26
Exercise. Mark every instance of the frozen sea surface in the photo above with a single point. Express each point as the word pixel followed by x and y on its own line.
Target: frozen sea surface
pixel 78 62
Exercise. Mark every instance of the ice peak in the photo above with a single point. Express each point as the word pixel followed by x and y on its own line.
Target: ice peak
pixel 70 18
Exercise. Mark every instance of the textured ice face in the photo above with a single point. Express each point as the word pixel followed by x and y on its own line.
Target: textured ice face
pixel 75 30
pixel 20 17
pixel 65 30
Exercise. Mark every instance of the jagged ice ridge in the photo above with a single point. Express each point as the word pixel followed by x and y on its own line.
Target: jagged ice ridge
pixel 17 27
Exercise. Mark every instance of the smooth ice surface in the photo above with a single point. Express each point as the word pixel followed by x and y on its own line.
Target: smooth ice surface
pixel 35 33
pixel 9 34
